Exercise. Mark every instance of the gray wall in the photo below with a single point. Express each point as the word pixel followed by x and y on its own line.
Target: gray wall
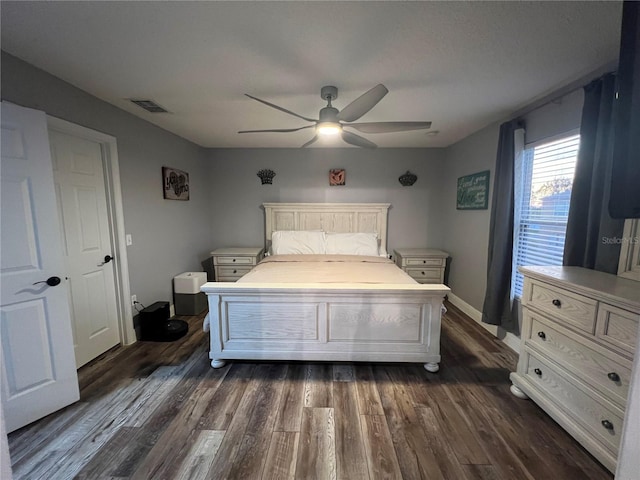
pixel 302 175
pixel 466 232
pixel 169 237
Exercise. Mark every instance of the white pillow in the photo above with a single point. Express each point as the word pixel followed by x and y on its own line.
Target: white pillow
pixel 352 244
pixel 286 242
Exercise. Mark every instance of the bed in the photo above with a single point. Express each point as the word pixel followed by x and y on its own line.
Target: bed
pixel 356 308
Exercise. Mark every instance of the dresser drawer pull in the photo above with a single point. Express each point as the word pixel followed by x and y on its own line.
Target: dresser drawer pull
pixel 235 271
pixel 422 273
pixel 233 260
pixel 537 371
pixel 613 376
pixel 424 261
pixel 542 335
pixel 556 302
pixel 607 424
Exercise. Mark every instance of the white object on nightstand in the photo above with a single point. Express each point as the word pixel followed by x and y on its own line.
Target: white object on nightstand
pixel 578 340
pixel 424 265
pixel 232 263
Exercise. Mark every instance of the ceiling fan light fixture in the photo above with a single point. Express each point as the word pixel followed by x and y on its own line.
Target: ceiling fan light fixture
pixel 329 128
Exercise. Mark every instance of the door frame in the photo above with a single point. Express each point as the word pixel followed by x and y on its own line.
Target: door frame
pixel 115 214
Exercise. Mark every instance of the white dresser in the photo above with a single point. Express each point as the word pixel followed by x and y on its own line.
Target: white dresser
pixel 424 265
pixel 232 263
pixel 578 338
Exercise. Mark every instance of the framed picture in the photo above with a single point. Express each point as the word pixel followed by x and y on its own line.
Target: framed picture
pixel 473 191
pixel 337 177
pixel 175 184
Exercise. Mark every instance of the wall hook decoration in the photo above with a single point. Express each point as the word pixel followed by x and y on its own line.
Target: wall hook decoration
pixel 266 176
pixel 408 179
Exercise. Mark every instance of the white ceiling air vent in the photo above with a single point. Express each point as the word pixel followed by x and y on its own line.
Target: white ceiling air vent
pixel 149 106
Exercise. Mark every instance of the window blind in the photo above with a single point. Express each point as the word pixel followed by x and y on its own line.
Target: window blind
pixel 547 172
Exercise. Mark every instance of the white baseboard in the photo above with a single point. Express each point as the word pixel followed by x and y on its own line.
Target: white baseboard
pixel 508 338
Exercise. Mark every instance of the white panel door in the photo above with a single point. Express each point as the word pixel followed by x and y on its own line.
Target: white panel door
pixel 36 348
pixel 86 241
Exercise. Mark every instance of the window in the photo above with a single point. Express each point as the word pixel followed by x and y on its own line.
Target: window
pixel 543 204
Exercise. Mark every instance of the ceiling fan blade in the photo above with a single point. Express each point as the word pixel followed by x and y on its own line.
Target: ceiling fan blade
pixel 385 127
pixel 280 130
pixel 310 142
pixel 357 140
pixel 363 104
pixel 281 109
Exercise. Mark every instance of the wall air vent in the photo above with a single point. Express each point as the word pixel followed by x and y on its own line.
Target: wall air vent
pixel 149 106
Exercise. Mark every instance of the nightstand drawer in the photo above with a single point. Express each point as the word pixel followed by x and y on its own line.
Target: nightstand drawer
pixel 429 262
pixel 235 272
pixel 236 260
pixel 425 274
pixel 603 420
pixel 577 310
pixel 606 371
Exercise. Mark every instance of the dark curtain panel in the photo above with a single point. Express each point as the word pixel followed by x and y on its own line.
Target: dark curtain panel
pixel 497 305
pixel 593 237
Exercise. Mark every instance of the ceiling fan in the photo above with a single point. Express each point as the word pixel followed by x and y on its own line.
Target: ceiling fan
pixel 332 121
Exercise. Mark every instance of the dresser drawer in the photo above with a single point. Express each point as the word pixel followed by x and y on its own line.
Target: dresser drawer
pixel 618 327
pixel 604 370
pixel 235 260
pixel 576 310
pixel 425 275
pixel 434 262
pixel 603 421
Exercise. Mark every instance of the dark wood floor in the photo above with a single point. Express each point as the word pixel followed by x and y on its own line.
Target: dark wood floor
pixel 159 411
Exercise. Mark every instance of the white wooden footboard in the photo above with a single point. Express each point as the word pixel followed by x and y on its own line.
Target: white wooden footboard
pixel 369 323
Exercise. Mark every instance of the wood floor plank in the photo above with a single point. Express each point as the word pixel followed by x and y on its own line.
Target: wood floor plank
pixel 292 400
pixel 415 457
pixel 350 455
pixel 343 372
pixel 317 385
pixel 200 457
pixel 281 457
pixel 251 455
pixel 224 461
pixel 442 445
pixel 226 399
pixel 382 461
pixel 368 397
pixel 316 451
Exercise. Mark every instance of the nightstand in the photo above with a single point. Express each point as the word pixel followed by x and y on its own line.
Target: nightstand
pixel 232 263
pixel 424 265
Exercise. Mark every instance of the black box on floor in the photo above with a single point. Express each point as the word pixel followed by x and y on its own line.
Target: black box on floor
pixel 155 324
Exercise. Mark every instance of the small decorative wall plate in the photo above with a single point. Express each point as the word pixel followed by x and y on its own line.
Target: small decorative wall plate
pixel 337 177
pixel 266 176
pixel 408 179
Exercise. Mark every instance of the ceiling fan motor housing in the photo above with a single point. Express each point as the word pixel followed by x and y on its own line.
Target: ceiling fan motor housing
pixel 329 114
pixel 329 93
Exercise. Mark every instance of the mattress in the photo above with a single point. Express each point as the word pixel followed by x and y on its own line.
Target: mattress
pixel 327 269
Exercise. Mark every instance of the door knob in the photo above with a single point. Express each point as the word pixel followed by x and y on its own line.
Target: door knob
pixel 51 281
pixel 107 259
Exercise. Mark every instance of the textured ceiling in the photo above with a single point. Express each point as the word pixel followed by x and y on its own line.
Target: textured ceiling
pixel 461 65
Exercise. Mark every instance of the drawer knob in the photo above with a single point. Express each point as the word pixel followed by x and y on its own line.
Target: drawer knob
pixel 607 424
pixel 422 273
pixel 235 271
pixel 537 371
pixel 613 376
pixel 542 335
pixel 233 260
pixel 424 261
pixel 556 302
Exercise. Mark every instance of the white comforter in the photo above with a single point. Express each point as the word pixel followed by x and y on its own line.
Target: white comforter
pixel 326 269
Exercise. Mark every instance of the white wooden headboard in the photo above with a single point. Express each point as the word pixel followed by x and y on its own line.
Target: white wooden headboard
pixel 329 217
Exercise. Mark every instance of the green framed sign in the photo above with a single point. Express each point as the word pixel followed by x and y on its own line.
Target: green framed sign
pixel 473 191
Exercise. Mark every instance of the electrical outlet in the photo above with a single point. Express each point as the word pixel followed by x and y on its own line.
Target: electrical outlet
pixel 134 299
